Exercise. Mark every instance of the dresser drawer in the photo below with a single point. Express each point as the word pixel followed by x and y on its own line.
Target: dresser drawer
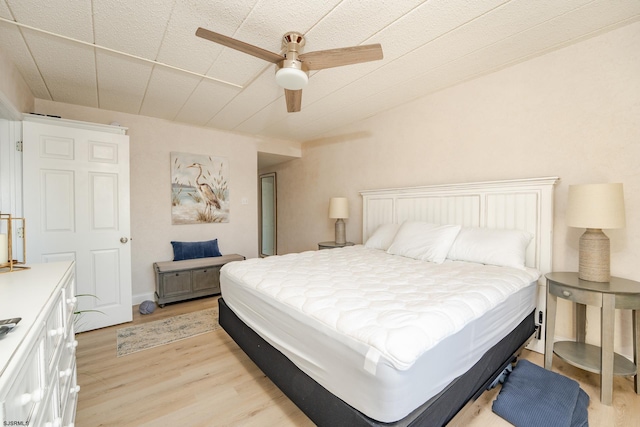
pixel 66 368
pixel 576 295
pixel 55 332
pixel 24 397
pixel 50 414
pixel 69 400
pixel 69 298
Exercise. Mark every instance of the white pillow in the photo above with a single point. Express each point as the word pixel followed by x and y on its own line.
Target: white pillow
pixel 505 248
pixel 424 241
pixel 382 237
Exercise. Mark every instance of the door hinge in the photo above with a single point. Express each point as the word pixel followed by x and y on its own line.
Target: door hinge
pixel 19 146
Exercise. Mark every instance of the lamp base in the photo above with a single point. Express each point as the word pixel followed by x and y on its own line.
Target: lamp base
pixel 595 253
pixel 341 235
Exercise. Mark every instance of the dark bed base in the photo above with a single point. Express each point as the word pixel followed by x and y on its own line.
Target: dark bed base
pixel 325 409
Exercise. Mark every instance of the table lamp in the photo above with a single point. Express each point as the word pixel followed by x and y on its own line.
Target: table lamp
pixel 339 208
pixel 594 207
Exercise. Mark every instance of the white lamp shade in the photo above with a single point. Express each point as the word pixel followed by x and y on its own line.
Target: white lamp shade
pixel 291 78
pixel 339 207
pixel 596 206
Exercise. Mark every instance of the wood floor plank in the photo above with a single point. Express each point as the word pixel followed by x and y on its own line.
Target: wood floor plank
pixel 207 380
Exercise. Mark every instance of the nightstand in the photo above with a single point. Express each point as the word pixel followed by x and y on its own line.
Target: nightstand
pixel 617 293
pixel 332 245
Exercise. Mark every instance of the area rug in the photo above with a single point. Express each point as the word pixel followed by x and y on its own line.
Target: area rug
pixel 153 334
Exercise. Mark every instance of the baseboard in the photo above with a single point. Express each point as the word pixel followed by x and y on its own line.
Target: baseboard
pixel 137 299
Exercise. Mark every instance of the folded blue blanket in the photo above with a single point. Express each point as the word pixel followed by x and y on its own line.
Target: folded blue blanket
pixel 533 396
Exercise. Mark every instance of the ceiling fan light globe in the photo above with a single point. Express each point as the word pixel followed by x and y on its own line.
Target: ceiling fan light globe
pixel 291 78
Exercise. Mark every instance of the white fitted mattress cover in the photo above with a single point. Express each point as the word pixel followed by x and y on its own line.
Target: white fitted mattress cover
pixel 383 333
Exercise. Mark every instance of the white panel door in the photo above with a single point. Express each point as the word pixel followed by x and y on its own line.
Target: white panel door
pixel 76 205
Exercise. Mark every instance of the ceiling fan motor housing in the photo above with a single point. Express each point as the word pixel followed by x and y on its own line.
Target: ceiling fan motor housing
pixel 291 73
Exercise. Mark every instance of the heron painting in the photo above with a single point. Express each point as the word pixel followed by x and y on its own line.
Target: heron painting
pixel 199 189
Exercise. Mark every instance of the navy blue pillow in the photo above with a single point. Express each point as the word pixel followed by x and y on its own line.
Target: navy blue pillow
pixel 193 250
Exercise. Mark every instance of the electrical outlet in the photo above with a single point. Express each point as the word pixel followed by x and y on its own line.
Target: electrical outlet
pixel 245 201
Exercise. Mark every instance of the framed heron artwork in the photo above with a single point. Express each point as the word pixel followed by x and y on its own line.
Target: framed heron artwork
pixel 199 189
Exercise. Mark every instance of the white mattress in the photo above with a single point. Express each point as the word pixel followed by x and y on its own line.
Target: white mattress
pixel 384 333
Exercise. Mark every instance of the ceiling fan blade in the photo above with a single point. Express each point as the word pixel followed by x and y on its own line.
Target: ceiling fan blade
pixel 322 59
pixel 238 45
pixel 294 100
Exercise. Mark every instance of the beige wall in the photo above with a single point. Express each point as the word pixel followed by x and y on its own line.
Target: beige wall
pixel 151 142
pixel 574 113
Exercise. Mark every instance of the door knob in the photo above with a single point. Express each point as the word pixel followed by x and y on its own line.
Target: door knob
pixel 123 240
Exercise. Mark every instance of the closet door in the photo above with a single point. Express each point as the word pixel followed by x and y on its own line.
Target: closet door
pixel 76 206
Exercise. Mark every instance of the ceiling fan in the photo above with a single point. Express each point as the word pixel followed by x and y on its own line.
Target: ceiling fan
pixel 292 68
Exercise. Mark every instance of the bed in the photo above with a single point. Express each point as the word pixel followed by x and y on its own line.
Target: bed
pixel 368 335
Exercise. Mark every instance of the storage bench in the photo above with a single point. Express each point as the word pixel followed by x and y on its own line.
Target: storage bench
pixel 191 278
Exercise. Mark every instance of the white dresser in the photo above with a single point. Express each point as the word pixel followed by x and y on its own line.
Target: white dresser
pixel 37 359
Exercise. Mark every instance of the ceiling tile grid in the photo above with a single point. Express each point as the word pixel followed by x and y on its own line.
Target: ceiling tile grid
pixel 428 45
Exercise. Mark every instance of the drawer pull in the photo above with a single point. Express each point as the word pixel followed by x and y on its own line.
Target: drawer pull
pixel 66 373
pixel 54 332
pixel 74 390
pixel 566 293
pixel 34 397
pixel 71 301
pixel 72 345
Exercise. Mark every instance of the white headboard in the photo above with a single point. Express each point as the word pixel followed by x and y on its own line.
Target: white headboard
pixel 524 204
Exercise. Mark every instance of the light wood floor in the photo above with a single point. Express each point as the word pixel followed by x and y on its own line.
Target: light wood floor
pixel 208 381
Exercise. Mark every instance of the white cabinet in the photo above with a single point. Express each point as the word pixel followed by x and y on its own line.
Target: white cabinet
pixel 37 359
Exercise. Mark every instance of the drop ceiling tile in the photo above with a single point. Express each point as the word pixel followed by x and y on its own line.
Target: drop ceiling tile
pixel 261 93
pixel 269 21
pixel 167 92
pixel 601 15
pixel 428 22
pixel 12 45
pixel 181 46
pixel 68 18
pixel 239 68
pixel 268 117
pixel 121 82
pixel 4 11
pixel 349 23
pixel 509 51
pixel 133 27
pixel 207 99
pixel 67 68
